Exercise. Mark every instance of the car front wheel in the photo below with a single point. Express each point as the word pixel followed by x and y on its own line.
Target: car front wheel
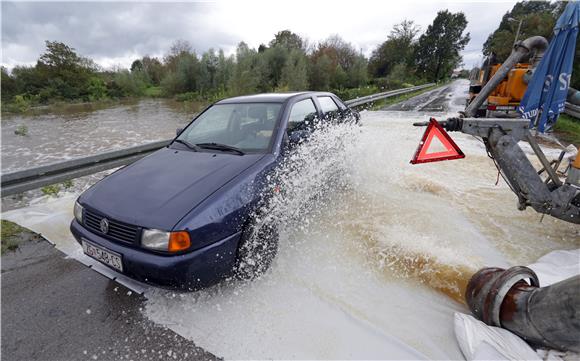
pixel 258 248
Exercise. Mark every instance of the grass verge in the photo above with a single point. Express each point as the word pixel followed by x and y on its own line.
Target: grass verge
pixel 567 129
pixel 12 235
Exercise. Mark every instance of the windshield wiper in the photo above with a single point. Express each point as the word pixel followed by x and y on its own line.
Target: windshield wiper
pixel 219 146
pixel 187 144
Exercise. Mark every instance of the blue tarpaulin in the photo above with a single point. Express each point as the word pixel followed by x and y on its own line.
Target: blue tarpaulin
pixel 545 97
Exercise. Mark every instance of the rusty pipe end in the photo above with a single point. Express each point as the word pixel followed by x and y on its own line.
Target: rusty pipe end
pixel 488 287
pixel 479 287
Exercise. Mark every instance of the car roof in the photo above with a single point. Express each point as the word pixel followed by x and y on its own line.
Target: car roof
pixel 269 97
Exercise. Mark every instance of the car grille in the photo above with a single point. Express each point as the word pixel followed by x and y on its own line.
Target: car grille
pixel 117 230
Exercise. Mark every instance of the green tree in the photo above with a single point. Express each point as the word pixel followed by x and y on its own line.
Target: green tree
pixel 224 71
pixel 295 71
pixel 537 17
pixel 339 79
pixel 398 48
pixel 126 84
pixel 247 75
pixel 275 59
pixel 63 72
pixel 437 51
pixel 185 77
pixel 137 65
pixel 333 63
pixel 8 84
pixel 320 72
pixel 357 75
pixel 207 72
pixel 154 69
pixel 179 49
pixel 287 40
pixel 60 56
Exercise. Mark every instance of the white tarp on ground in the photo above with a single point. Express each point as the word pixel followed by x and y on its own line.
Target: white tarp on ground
pixel 479 341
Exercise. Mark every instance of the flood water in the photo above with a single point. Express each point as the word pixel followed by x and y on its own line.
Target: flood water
pixel 373 270
pixel 81 130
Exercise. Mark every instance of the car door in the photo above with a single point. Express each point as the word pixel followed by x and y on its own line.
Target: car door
pixel 302 119
pixel 330 111
pixel 346 114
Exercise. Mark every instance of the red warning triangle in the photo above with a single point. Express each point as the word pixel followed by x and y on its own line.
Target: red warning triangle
pixel 449 150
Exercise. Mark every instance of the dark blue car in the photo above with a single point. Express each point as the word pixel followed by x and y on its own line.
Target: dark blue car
pixel 184 215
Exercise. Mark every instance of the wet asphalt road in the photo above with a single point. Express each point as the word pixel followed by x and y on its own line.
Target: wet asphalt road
pixel 435 100
pixel 54 308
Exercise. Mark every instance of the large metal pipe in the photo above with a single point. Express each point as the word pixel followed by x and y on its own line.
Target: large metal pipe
pixel 573 96
pixel 521 49
pixel 547 316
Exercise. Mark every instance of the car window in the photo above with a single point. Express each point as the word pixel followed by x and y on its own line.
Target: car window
pixel 247 126
pixel 327 104
pixel 303 111
pixel 340 103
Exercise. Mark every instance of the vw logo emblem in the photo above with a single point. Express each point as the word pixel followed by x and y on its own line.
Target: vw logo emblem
pixel 104 225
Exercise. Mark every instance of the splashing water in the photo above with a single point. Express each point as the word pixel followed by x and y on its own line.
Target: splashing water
pixel 318 184
pixel 368 245
pixel 373 253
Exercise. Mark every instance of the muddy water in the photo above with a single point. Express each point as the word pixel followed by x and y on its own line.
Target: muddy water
pixel 374 269
pixel 440 222
pixel 73 131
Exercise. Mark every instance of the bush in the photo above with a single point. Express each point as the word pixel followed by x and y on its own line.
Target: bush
pixel 68 184
pixel 51 190
pixel 21 130
pixel 126 84
pixel 154 92
pixel 188 97
pixel 97 89
pixel 20 104
pixel 348 94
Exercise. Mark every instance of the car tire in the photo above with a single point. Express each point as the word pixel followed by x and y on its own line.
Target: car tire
pixel 257 249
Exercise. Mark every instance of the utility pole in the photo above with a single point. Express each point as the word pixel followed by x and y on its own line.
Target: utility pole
pixel 519 28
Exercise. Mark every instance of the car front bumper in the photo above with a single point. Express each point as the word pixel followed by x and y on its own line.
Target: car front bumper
pixel 193 270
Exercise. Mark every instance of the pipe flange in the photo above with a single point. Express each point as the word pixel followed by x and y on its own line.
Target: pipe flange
pixel 503 284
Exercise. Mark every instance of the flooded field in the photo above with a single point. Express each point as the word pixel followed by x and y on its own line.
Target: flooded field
pixel 373 269
pixel 81 130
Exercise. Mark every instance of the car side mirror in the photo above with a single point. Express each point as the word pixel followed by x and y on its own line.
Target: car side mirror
pixel 178 131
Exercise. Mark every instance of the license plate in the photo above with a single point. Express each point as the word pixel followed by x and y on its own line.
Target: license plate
pixel 103 255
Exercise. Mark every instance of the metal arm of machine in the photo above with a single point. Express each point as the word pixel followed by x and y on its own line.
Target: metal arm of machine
pixel 501 137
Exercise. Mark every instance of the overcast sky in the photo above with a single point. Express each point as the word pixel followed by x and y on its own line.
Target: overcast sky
pixel 114 33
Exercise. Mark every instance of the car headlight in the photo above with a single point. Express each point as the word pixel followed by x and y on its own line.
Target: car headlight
pixel 78 212
pixel 165 241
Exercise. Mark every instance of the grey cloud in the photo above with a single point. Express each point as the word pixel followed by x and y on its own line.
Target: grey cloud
pixel 108 30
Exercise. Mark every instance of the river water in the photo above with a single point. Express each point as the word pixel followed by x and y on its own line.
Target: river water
pixel 80 130
pixel 373 270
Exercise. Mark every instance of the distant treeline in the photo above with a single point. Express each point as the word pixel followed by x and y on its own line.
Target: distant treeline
pixel 287 62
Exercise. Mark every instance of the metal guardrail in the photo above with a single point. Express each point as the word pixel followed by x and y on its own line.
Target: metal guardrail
pixel 572 110
pixel 33 178
pixel 28 179
pixel 378 96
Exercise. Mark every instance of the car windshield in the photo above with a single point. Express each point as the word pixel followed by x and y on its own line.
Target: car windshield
pixel 245 126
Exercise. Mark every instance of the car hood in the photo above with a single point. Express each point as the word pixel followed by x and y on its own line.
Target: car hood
pixel 158 190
